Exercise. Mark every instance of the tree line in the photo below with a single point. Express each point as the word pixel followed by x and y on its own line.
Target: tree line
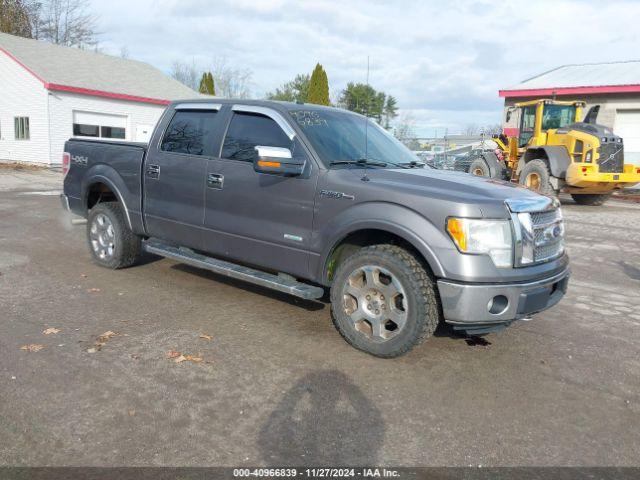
pixel 63 22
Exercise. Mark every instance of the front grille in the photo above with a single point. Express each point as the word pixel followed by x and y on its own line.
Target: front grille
pixel 611 157
pixel 542 236
pixel 548 235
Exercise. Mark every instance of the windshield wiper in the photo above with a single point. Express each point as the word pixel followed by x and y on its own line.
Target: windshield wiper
pixel 360 161
pixel 412 164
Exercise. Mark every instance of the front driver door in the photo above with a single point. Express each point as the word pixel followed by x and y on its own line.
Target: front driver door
pixel 255 218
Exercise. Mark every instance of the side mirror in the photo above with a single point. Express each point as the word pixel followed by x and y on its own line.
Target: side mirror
pixel 508 115
pixel 277 161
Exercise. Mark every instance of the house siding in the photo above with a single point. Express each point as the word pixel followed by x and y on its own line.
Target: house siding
pixel 22 95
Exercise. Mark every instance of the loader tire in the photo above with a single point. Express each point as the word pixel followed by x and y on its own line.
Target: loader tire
pixel 536 176
pixel 480 168
pixel 591 199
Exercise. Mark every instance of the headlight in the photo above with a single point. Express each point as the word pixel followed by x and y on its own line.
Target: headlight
pixel 490 237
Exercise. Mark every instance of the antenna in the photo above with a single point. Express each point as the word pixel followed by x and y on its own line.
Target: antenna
pixel 366 128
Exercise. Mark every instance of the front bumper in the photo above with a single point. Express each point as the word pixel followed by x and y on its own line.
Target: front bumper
pixel 493 304
pixel 587 176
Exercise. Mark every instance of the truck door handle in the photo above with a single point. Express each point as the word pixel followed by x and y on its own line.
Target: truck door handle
pixel 215 180
pixel 153 171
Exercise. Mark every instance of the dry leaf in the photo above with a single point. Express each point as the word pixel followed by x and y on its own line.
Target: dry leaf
pixel 132 413
pixel 32 347
pixel 83 275
pixel 51 330
pixel 106 336
pixel 93 290
pixel 92 349
pixel 193 358
pixel 204 336
pixel 180 359
pixel 173 354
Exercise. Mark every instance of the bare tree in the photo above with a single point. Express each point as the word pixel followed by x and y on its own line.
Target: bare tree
pixel 231 82
pixel 187 73
pixel 471 129
pixel 405 132
pixel 66 22
pixel 124 52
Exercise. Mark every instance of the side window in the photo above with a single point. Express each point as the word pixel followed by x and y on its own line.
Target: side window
pixel 191 132
pixel 248 130
pixel 527 124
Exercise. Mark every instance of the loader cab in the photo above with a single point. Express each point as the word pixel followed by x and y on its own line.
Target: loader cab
pixel 539 116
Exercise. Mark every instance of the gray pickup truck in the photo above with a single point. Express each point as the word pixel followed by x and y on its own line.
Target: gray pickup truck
pixel 300 198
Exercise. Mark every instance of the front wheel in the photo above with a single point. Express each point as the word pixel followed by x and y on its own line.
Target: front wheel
pixel 592 199
pixel 383 301
pixel 111 243
pixel 535 175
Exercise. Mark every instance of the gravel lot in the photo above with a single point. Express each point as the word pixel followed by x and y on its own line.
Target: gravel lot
pixel 278 385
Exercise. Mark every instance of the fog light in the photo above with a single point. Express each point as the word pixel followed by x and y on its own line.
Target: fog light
pixel 498 305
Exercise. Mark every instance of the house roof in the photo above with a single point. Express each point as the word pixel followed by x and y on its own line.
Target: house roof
pixel 81 71
pixel 614 77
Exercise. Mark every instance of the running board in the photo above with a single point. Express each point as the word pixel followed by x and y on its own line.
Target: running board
pixel 281 283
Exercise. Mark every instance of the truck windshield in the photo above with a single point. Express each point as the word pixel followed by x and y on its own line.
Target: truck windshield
pixel 558 116
pixel 339 139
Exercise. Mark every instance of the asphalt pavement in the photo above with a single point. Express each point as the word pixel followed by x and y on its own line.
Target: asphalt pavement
pixel 266 380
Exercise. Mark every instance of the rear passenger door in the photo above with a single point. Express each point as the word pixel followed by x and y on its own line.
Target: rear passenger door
pixel 174 174
pixel 256 218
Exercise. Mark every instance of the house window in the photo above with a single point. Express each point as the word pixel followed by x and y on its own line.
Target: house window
pixel 21 128
pixel 84 130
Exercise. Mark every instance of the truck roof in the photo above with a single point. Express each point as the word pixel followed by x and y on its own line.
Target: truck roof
pixel 276 104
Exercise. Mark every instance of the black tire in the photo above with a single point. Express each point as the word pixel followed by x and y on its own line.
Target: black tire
pixel 592 199
pixel 122 248
pixel 419 301
pixel 536 176
pixel 480 168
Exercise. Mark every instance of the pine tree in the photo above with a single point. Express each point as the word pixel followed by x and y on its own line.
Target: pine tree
pixel 319 87
pixel 206 84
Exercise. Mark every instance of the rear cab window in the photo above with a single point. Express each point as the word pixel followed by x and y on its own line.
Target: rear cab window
pixel 191 132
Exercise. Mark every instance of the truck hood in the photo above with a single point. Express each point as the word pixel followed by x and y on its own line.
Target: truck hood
pixel 486 194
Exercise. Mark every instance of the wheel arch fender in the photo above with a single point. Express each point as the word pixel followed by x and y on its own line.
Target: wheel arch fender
pixel 107 175
pixel 414 229
pixel 556 156
pixel 496 167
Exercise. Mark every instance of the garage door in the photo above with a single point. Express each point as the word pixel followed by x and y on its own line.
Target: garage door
pixel 100 125
pixel 628 127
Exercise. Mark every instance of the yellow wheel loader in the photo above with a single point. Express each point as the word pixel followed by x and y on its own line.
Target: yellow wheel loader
pixel 556 152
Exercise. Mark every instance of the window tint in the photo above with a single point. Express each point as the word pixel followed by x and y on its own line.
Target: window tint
pixel 112 132
pixel 248 130
pixel 190 131
pixel 558 116
pixel 82 130
pixel 527 124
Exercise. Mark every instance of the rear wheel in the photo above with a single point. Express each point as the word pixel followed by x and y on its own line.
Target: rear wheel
pixel 383 301
pixel 536 176
pixel 479 168
pixel 590 198
pixel 111 243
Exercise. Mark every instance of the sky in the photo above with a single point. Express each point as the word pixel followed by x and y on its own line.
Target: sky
pixel 443 61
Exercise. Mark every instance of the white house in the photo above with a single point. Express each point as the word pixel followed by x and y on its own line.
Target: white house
pixel 50 93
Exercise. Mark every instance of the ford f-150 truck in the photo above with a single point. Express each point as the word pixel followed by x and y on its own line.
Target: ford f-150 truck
pixel 302 198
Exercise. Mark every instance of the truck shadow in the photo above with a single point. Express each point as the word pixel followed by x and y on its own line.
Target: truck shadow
pixel 323 420
pixel 631 271
pixel 309 305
